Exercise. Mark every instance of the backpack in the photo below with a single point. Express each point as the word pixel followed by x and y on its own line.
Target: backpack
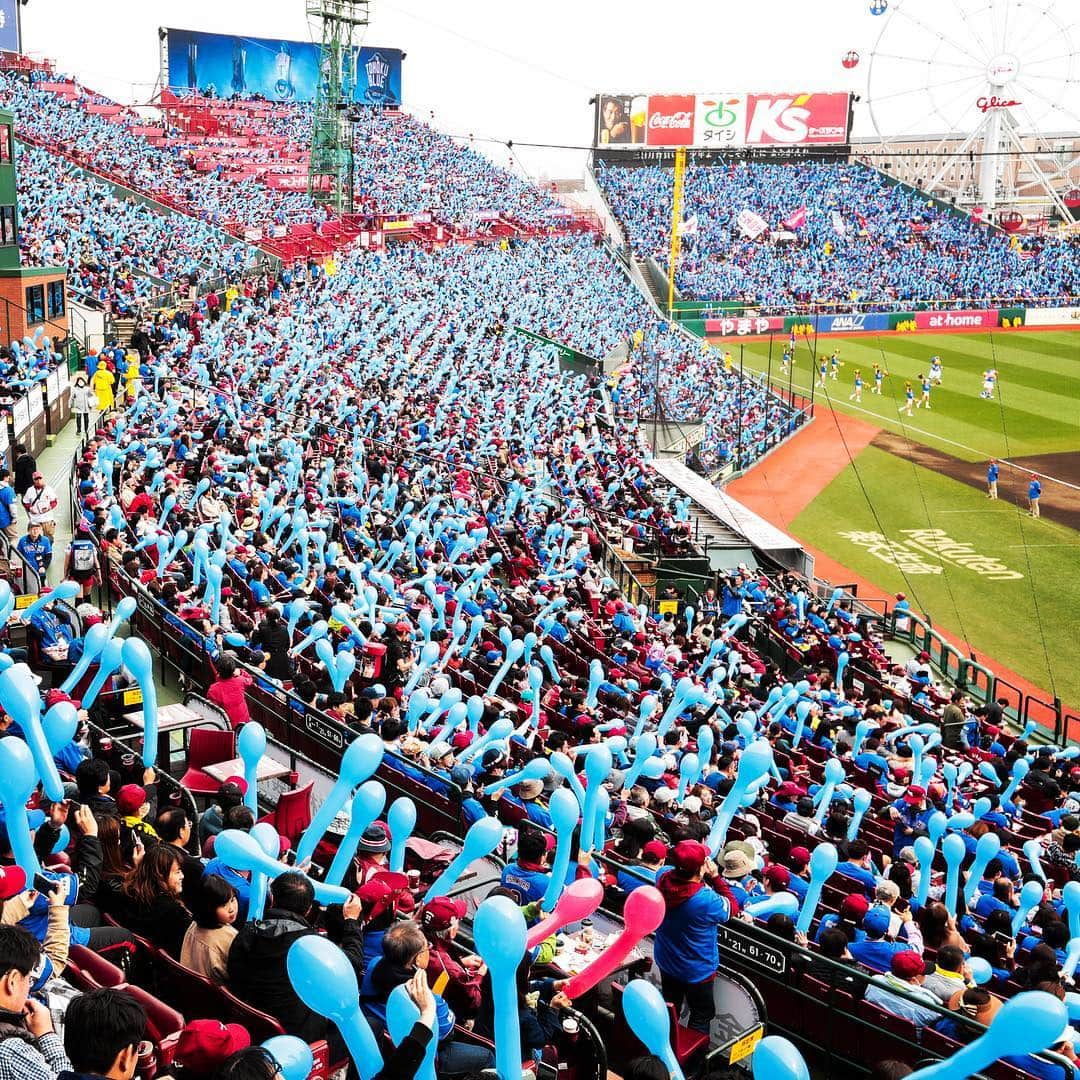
pixel 83 556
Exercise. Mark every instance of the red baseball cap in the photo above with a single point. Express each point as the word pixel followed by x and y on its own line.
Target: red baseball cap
pixel 385 891
pixel 655 849
pixel 129 798
pixel 205 1044
pixel 438 913
pixel 239 781
pixel 12 881
pixel 689 856
pixel 779 877
pixel 914 794
pixel 799 855
pixel 907 964
pixel 854 907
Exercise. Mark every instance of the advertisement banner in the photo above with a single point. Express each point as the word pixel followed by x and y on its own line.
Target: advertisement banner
pixel 797 119
pixel 735 327
pixel 716 121
pixel 227 66
pixel 9 26
pixel 720 120
pixel 671 120
pixel 852 323
pixel 1058 316
pixel 956 320
pixel 613 119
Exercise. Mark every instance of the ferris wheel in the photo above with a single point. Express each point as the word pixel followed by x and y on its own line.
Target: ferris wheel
pixel 991 79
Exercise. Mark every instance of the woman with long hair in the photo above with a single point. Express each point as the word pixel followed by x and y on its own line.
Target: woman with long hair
pixel 108 897
pixel 150 899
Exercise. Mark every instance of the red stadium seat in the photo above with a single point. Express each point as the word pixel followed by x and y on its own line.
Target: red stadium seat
pixel 208 746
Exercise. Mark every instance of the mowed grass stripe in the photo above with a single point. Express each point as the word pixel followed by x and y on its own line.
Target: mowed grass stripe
pixel 1039 387
pixel 1006 620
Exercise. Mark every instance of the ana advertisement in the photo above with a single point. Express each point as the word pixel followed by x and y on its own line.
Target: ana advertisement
pixel 226 66
pixel 716 121
pixel 9 26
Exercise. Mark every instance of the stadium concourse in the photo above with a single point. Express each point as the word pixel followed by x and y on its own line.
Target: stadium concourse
pixel 368 530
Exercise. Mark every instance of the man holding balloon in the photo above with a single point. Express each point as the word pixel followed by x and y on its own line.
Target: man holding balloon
pixel 696 901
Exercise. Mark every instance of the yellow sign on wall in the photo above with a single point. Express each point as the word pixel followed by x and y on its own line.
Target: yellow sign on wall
pixel 744 1047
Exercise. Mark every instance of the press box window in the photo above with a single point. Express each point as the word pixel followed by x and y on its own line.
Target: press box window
pixel 5 144
pixel 56 299
pixel 8 235
pixel 35 304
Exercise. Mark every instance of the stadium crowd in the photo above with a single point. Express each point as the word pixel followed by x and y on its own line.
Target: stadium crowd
pixel 862 239
pixel 385 516
pixel 118 253
pixel 362 488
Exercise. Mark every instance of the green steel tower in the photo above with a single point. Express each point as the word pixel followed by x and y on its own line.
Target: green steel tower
pixel 330 174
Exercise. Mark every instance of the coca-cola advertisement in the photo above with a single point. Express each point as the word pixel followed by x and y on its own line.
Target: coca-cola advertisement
pixel 671 120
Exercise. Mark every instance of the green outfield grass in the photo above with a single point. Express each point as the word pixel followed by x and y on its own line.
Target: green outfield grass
pixel 1038 411
pixel 1005 619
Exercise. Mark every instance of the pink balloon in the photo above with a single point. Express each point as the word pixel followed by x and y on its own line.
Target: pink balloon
pixel 578 901
pixel 643 913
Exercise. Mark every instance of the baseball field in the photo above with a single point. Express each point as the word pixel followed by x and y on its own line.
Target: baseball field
pixel 902 503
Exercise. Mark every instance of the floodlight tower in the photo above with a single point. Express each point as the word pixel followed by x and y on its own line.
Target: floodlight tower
pixel 330 173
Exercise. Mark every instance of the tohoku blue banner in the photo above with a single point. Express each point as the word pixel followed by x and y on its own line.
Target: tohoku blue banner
pixel 226 66
pixel 9 26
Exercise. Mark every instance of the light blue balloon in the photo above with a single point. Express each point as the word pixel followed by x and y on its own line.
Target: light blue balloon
pixel 360 760
pixel 1030 897
pixel 401 820
pixel 1026 1024
pixel 293 1056
pixel 401 1015
pixel 483 837
pixel 783 903
pixel 21 701
pixel 987 848
pixel 823 863
pixel 563 808
pixel 952 847
pixel 647 1016
pixel 325 982
pixel 136 657
pixel 981 971
pixel 861 800
pixel 251 745
pixel 924 853
pixel 266 836
pixel 242 851
pixel 367 805
pixel 18 777
pixel 499 933
pixel 777 1059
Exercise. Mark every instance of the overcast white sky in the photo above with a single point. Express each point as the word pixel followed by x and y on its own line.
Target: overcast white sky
pixel 511 70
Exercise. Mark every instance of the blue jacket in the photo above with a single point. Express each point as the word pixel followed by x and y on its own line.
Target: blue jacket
pixel 376 988
pixel 529 884
pixel 877 954
pixel 864 877
pixel 685 945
